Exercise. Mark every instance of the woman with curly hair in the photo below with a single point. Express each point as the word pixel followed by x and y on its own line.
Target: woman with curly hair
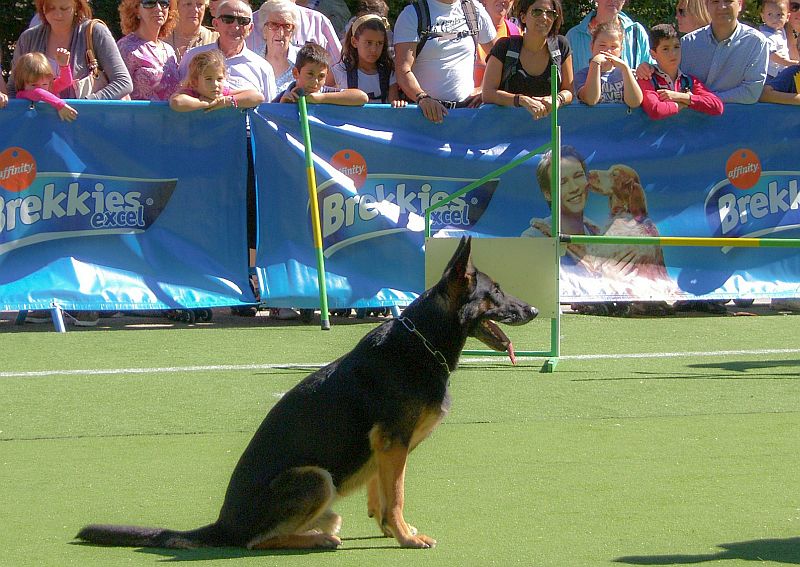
pixel 151 61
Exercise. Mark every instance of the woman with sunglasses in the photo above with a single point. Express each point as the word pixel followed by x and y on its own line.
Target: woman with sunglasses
pixel 518 69
pixel 636 44
pixel 279 19
pixel 64 25
pixel 151 61
pixel 691 15
pixel 189 31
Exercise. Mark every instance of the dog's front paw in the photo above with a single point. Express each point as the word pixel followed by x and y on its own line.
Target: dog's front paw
pixel 417 541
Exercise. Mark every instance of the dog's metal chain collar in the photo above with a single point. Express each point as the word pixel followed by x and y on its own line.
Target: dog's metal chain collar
pixel 409 324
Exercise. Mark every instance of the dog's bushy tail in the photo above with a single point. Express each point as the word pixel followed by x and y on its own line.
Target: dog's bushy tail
pixel 136 536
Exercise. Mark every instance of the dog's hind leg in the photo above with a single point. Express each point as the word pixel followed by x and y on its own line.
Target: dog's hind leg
pixel 302 498
pixel 328 523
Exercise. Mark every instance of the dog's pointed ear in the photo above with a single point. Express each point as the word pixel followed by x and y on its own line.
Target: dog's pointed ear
pixel 460 269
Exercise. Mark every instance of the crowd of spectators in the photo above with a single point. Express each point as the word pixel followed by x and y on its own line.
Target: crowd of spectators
pixel 441 55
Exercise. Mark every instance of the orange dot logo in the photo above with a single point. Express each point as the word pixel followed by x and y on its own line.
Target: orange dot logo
pixel 743 168
pixel 17 169
pixel 352 164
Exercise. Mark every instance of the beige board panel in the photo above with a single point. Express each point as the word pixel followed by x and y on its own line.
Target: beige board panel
pixel 524 267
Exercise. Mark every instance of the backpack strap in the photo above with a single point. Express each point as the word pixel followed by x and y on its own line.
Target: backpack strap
pixel 423 23
pixel 352 76
pixel 511 60
pixel 471 17
pixel 555 54
pixel 383 79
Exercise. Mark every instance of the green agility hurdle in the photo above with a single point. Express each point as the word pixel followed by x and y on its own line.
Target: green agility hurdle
pixel 492 254
pixel 551 249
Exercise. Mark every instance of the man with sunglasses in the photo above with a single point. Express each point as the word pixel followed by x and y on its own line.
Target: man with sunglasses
pixel 730 58
pixel 246 70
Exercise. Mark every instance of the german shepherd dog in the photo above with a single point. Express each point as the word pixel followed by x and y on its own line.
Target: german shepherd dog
pixel 350 423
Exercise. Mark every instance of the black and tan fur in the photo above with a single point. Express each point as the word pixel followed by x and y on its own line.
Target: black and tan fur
pixel 350 423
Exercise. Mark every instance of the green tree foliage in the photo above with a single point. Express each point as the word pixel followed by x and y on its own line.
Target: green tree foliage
pixel 16 14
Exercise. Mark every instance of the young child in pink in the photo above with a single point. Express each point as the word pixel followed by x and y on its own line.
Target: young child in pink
pixel 33 72
pixel 669 90
pixel 206 87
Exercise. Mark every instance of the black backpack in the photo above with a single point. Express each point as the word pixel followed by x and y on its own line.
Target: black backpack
pixel 511 61
pixel 383 79
pixel 424 22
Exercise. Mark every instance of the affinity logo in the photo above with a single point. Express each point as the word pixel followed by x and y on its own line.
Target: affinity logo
pixel 351 164
pixel 56 206
pixel 17 169
pixel 743 168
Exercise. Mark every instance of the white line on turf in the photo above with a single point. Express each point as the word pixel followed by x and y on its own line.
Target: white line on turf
pixel 465 361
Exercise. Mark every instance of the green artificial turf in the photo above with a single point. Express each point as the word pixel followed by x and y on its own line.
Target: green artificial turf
pixel 608 461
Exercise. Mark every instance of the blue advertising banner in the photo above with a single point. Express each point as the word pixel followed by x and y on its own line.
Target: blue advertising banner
pixel 377 171
pixel 622 174
pixel 132 206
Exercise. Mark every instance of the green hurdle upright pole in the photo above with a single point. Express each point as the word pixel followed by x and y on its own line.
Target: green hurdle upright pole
pixel 555 219
pixel 324 316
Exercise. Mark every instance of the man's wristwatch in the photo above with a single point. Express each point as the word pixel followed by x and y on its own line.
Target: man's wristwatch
pixel 421 95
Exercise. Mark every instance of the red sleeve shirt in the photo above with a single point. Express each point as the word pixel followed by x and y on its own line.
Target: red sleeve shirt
pixel 703 100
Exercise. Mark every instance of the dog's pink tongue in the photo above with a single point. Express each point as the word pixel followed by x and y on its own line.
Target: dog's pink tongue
pixel 511 353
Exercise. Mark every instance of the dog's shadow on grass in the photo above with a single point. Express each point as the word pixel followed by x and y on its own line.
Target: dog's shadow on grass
pixel 219 553
pixel 786 551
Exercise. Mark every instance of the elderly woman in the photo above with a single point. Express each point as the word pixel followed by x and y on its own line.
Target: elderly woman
pixel 280 18
pixel 150 60
pixel 190 31
pixel 64 25
pixel 636 44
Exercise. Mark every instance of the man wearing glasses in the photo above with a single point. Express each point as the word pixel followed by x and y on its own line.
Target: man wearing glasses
pixel 246 70
pixel 729 57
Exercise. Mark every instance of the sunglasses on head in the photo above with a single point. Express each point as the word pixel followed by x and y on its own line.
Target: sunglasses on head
pixel 539 13
pixel 149 4
pixel 794 6
pixel 241 20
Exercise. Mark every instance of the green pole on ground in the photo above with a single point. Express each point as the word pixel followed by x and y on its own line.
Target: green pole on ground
pixel 555 221
pixel 317 230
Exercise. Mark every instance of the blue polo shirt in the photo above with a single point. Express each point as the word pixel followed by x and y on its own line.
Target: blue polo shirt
pixel 734 69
